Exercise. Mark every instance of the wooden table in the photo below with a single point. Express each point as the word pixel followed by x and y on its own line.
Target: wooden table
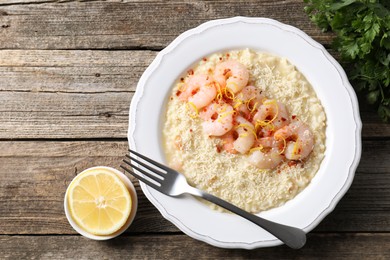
pixel 68 71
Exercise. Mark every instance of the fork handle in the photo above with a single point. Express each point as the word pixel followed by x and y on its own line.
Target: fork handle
pixel 291 236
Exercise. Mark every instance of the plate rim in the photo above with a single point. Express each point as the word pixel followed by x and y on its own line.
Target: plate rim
pixel 249 20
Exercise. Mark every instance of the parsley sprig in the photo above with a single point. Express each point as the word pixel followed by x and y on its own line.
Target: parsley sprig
pixel 362 29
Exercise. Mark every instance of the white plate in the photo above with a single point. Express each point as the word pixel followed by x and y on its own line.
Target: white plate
pixel 308 208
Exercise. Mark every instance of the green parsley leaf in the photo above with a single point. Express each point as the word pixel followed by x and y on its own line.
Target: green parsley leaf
pixel 362 29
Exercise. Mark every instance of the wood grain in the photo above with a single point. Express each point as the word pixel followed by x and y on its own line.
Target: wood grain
pixel 329 246
pixel 59 115
pixel 34 177
pixel 129 24
pixel 57 71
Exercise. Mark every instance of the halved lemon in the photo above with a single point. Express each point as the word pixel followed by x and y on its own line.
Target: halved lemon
pixel 99 201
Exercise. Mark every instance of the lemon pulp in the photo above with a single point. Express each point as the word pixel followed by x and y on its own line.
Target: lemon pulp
pixel 99 201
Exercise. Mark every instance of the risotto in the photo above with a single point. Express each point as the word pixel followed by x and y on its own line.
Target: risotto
pixel 231 175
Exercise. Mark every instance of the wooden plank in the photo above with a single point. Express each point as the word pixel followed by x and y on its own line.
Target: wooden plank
pixel 61 115
pixel 330 246
pixel 72 71
pixel 129 24
pixel 34 177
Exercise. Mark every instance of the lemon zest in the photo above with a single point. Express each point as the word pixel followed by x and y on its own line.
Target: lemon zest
pixel 219 96
pixel 248 103
pixel 277 137
pixel 244 125
pixel 265 124
pixel 271 102
pixel 219 88
pixel 253 107
pixel 295 149
pixel 259 148
pixel 248 127
pixel 229 94
pixel 238 104
pixel 223 115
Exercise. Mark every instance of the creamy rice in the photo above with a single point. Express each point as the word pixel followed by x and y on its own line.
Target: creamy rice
pixel 231 176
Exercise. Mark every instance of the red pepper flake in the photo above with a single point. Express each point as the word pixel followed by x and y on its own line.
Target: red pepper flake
pixel 219 148
pixel 220 58
pixel 227 55
pixel 292 163
pixel 294 116
pixel 190 130
pixel 214 116
pixel 182 79
pixel 191 72
pixel 178 93
pixel 283 119
pixel 204 59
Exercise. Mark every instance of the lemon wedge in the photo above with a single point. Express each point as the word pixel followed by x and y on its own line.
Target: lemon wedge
pixel 99 201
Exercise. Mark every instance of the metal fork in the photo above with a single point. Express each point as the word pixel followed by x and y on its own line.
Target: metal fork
pixel 172 183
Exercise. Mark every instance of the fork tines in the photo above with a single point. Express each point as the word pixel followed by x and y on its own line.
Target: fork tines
pixel 152 171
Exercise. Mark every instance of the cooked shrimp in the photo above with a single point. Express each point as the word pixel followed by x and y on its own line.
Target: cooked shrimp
pixel 248 100
pixel 270 142
pixel 231 75
pixel 228 142
pixel 271 116
pixel 200 90
pixel 246 135
pixel 299 139
pixel 268 157
pixel 240 138
pixel 218 118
